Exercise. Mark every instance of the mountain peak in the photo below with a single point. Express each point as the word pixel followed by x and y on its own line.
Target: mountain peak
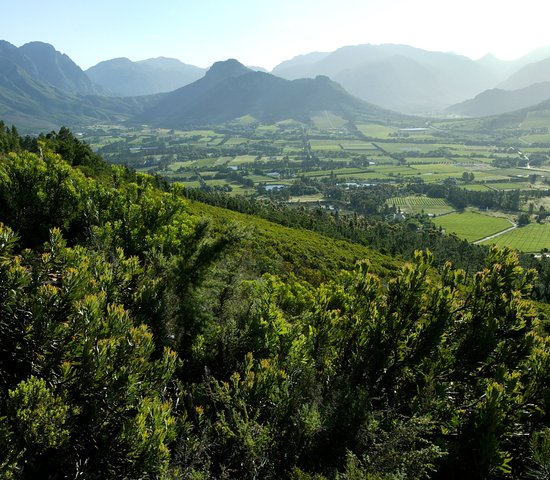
pixel 227 69
pixel 39 45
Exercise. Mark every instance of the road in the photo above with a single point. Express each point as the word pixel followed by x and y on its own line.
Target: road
pixel 490 237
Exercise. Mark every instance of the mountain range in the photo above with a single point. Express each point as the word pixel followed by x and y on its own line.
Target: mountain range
pixel 122 77
pixel 399 77
pixel 497 101
pixel 412 80
pixel 230 90
pixel 41 87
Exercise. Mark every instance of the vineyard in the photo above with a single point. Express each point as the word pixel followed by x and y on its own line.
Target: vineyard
pixel 420 204
pixel 532 238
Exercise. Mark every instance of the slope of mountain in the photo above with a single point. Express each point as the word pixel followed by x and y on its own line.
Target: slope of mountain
pixel 41 88
pixel 500 68
pixel 530 74
pixel 381 82
pixel 43 63
pixel 36 106
pixel 497 101
pixel 122 77
pixel 440 78
pixel 230 90
pixel 297 67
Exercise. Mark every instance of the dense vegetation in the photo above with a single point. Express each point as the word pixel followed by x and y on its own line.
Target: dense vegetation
pixel 137 340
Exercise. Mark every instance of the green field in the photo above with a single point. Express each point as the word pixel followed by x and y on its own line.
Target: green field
pixel 375 131
pixel 242 159
pixel 331 145
pixel 531 238
pixel 328 121
pixel 471 226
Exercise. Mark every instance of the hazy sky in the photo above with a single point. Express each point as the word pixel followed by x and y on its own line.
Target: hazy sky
pixel 266 32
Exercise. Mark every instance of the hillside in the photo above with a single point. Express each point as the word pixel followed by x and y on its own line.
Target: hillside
pixel 44 64
pixel 35 105
pixel 122 77
pixel 397 82
pixel 143 336
pixel 42 89
pixel 497 101
pixel 297 251
pixel 229 91
pixel 528 75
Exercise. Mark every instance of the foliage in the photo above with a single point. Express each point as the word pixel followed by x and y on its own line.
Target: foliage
pixel 137 341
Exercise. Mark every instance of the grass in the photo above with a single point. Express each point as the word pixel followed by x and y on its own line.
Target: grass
pixel 532 238
pixel 417 147
pixel 328 121
pixel 476 187
pixel 375 131
pixel 536 138
pixel 331 145
pixel 471 226
pixel 306 198
pixel 509 185
pixel 448 168
pixel 242 159
pixel 357 145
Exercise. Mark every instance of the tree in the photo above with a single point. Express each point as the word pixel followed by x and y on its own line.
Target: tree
pixel 523 219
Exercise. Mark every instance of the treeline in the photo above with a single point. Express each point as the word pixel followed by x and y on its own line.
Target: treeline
pixel 393 237
pixel 134 345
pixel 506 200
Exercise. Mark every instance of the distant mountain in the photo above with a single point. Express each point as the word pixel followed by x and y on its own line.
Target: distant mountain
pixel 122 77
pixel 298 67
pixel 530 74
pixel 41 88
pixel 229 90
pixel 43 63
pixel 35 105
pixel 382 82
pixel 533 56
pixel 408 79
pixel 497 101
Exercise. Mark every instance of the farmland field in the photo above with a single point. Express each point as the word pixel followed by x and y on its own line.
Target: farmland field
pixel 329 158
pixel 420 204
pixel 328 121
pixel 472 226
pixel 375 131
pixel 531 238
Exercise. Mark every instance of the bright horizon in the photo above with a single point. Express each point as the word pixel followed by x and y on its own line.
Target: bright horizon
pixel 265 33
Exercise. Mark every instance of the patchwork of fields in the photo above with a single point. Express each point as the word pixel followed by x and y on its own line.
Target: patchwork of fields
pixel 248 158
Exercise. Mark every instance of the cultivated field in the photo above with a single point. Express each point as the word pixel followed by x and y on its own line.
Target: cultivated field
pixel 420 204
pixel 531 238
pixel 472 226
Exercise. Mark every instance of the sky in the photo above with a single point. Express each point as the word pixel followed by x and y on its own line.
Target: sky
pixel 264 33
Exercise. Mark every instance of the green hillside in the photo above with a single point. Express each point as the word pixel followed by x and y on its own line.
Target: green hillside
pixel 146 336
pixel 284 250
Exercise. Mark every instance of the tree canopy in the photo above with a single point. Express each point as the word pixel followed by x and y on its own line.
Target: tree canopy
pixel 136 341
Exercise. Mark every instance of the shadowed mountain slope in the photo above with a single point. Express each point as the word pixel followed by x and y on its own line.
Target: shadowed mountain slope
pixel 229 90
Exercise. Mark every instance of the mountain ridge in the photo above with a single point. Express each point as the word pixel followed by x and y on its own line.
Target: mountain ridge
pixel 229 90
pixel 497 101
pixel 123 77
